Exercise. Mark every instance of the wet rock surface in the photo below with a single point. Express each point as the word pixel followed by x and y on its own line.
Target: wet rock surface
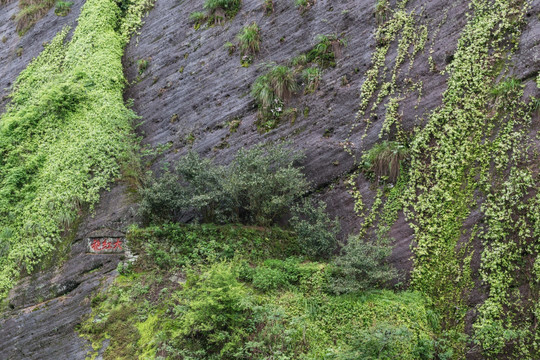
pixel 189 93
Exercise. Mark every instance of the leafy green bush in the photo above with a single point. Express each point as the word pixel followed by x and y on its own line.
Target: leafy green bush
pixel 266 279
pixel 215 314
pixel 361 266
pixel 256 188
pixel 195 183
pixel 326 50
pixel 385 159
pixel 315 230
pixel 387 342
pixel 229 7
pixel 249 39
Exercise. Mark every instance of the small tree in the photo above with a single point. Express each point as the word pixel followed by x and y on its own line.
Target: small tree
pixel 361 266
pixel 216 314
pixel 315 230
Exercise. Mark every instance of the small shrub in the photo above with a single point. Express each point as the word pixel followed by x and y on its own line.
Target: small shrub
pixel 4 39
pixel 231 48
pixel 249 39
pixel 216 314
pixel 198 17
pixel 326 50
pixel 195 183
pixel 304 5
pixel 312 77
pixel 142 65
pixel 317 233
pixel 222 8
pixel 385 159
pixel 63 8
pixel 361 266
pixel 268 6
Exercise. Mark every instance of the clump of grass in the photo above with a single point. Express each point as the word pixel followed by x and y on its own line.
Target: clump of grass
pixel 385 159
pixel 304 5
pixel 299 60
pixel 271 90
pixel 63 7
pixel 198 17
pixel 219 10
pixel 249 39
pixel 31 11
pixel 326 50
pixel 268 6
pixel 507 87
pixel 312 77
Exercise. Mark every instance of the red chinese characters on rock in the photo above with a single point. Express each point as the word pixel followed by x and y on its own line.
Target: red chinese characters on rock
pixel 106 244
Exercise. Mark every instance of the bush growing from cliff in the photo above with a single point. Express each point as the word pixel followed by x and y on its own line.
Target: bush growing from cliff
pixel 326 50
pixel 229 7
pixel 256 188
pixel 312 77
pixel 63 7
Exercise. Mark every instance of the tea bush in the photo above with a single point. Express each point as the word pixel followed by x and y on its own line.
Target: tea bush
pixel 256 188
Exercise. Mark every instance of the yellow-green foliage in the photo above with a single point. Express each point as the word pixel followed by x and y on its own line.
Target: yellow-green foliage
pixel 64 136
pixel 249 308
pixel 401 26
pixel 475 149
pixel 473 143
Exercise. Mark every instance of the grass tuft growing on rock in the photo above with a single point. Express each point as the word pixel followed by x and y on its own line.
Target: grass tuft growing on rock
pixel 249 39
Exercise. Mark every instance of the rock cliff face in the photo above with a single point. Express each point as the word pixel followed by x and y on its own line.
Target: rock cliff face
pixel 192 90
